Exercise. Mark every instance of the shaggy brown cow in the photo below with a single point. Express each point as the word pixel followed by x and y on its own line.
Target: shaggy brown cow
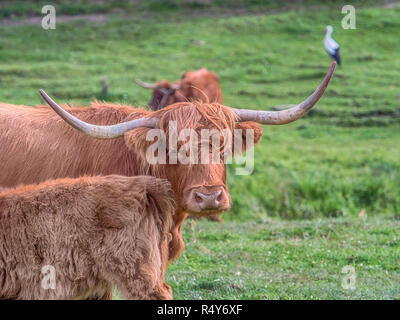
pixel 36 145
pixel 199 85
pixel 94 232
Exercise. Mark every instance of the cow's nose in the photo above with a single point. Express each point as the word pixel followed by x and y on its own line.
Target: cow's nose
pixel 208 201
pixel 204 200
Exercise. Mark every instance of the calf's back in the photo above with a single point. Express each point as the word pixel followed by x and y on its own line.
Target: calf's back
pixel 91 232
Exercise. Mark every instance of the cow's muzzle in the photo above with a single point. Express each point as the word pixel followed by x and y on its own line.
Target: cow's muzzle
pixel 207 200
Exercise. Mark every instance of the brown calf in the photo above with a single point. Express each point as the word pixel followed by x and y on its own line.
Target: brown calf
pixel 94 232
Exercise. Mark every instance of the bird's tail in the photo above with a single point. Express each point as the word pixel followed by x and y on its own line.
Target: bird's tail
pixel 337 57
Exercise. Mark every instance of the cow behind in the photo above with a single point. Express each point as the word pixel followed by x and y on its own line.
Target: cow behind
pixel 198 85
pixel 94 231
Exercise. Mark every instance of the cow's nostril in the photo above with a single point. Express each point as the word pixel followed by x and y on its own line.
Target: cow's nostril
pixel 198 198
pixel 219 198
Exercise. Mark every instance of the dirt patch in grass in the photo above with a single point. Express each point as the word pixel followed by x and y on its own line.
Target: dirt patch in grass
pixel 96 18
pixel 186 10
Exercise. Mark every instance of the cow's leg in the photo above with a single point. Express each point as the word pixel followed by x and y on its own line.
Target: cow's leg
pixel 163 292
pixel 141 287
pixel 177 245
pixel 137 273
pixel 107 295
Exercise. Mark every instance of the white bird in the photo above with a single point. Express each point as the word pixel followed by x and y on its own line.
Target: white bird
pixel 331 46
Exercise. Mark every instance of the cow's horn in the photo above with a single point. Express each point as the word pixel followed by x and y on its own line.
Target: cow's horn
pixel 289 115
pixel 96 131
pixel 175 86
pixel 145 84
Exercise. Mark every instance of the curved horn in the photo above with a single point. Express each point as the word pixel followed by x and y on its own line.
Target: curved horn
pixel 289 115
pixel 176 86
pixel 145 84
pixel 96 131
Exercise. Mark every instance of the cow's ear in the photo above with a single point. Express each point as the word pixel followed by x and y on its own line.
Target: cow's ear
pixel 255 130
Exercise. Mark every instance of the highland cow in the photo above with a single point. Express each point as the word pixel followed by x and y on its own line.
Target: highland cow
pixel 197 85
pixel 94 232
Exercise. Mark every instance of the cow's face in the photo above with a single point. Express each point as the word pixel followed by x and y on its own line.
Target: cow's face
pixel 164 94
pixel 200 189
pixel 199 186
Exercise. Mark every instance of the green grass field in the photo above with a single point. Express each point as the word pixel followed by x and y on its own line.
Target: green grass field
pixel 294 222
pixel 276 259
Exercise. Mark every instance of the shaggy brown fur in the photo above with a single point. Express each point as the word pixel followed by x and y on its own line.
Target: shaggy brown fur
pixel 95 231
pixel 199 85
pixel 36 145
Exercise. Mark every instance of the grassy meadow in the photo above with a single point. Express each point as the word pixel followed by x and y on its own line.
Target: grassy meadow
pixel 325 191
